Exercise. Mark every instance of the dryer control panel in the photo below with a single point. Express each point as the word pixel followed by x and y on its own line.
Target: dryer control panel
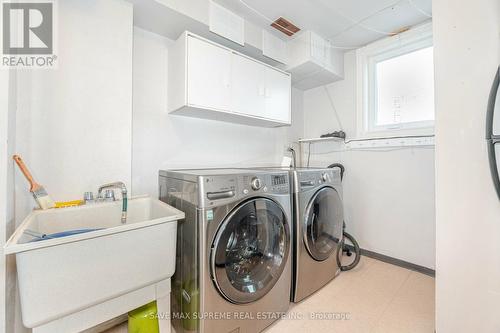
pixel 308 179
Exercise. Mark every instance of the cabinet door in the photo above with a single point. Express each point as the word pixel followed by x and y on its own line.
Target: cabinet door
pixel 208 77
pixel 278 90
pixel 248 86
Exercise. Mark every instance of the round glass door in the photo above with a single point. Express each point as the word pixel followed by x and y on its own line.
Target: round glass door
pixel 323 223
pixel 250 250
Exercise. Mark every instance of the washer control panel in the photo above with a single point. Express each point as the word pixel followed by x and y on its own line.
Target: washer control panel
pixel 224 188
pixel 265 183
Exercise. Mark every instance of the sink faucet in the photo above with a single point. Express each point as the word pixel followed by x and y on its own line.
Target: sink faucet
pixel 123 188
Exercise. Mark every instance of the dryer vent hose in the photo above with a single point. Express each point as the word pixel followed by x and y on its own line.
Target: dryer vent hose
pixel 348 249
pixel 340 166
pixel 351 245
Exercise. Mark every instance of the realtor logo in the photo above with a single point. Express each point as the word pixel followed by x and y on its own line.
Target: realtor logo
pixel 28 34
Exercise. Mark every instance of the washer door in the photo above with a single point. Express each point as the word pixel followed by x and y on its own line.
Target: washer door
pixel 250 250
pixel 323 223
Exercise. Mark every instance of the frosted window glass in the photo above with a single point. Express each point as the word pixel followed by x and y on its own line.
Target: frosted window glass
pixel 405 88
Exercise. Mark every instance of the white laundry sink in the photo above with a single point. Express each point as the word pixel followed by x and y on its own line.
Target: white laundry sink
pixel 111 270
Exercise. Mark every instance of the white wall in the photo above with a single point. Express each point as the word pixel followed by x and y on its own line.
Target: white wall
pixel 8 104
pixel 388 195
pixel 10 221
pixel 163 141
pixel 74 123
pixel 467 54
pixel 4 162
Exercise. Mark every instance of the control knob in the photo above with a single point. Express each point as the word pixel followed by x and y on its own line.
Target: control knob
pixel 256 183
pixel 325 177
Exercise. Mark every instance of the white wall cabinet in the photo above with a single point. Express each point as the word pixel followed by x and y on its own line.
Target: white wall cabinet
pixel 248 86
pixel 208 75
pixel 210 81
pixel 277 93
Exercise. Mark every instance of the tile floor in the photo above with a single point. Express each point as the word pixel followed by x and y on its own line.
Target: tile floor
pixel 376 297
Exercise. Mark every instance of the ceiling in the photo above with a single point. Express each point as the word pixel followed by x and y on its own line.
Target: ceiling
pixel 347 23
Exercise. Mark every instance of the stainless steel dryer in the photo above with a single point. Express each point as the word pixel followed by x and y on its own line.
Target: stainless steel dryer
pixel 233 268
pixel 317 229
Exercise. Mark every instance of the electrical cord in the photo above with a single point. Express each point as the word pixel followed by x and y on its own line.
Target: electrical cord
pixel 334 108
pixel 423 12
pixel 264 16
pixel 390 137
pixel 308 155
pixel 360 22
pixel 386 33
pixel 374 149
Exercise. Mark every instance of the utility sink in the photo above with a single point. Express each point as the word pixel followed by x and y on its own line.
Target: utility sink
pixel 74 282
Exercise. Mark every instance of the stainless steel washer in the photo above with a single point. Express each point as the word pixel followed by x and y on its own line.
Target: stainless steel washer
pixel 318 220
pixel 233 269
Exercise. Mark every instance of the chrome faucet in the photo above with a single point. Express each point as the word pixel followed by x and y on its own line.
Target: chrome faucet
pixel 123 188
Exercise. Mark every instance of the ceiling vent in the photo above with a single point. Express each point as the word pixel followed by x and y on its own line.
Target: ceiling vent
pixel 285 26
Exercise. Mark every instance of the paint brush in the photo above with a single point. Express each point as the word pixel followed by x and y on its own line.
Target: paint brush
pixel 39 193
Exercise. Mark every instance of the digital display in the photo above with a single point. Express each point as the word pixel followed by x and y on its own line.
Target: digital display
pixel 279 180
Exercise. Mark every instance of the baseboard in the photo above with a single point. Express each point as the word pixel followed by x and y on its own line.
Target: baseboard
pixel 399 262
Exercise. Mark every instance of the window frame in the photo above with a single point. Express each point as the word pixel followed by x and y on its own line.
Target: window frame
pixel 367 58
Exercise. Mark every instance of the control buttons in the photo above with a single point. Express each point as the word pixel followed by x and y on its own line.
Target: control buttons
pixel 245 191
pixel 256 183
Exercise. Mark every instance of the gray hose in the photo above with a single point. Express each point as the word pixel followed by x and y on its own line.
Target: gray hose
pixel 342 246
pixel 348 248
pixel 340 166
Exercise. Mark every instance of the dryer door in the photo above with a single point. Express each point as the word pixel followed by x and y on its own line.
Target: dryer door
pixel 324 218
pixel 250 250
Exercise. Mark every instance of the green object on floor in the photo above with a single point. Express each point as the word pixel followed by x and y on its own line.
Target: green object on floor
pixel 143 319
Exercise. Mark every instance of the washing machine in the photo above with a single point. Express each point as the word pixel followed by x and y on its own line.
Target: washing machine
pixel 233 261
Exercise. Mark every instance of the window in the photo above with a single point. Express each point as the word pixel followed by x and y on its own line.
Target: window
pixel 396 85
